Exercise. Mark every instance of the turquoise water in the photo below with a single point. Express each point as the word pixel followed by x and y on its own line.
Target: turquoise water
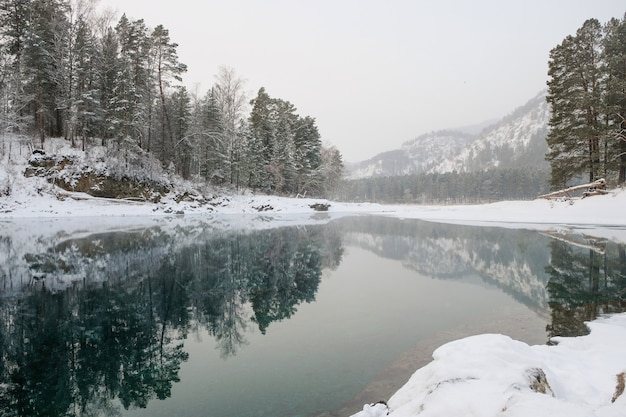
pixel 289 321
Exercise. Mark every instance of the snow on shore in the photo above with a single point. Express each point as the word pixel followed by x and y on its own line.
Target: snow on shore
pixel 27 200
pixel 493 375
pixel 605 216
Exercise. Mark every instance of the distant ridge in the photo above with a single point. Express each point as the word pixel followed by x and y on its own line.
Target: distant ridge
pixel 515 141
pixel 475 129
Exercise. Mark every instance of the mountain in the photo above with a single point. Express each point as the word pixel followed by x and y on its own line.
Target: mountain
pixel 515 141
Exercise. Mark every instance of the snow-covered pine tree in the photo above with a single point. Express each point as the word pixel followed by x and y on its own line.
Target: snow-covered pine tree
pixel 307 157
pixel 289 146
pixel 282 165
pixel 15 119
pixel 85 110
pixel 262 139
pixel 107 68
pixel 179 104
pixel 132 88
pixel 44 61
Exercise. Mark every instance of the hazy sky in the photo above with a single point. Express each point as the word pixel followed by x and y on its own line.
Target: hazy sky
pixel 375 73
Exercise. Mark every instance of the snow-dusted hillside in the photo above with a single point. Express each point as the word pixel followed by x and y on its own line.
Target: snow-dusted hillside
pixel 517 140
pixel 427 151
pixel 421 154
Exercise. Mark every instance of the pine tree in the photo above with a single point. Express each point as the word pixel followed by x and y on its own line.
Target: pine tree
pixel 14 20
pixel 85 111
pixel 575 95
pixel 131 97
pixel 282 165
pixel 565 148
pixel 308 159
pixel 181 123
pixel 107 68
pixel 44 47
pixel 615 60
pixel 262 141
pixel 287 146
pixel 168 69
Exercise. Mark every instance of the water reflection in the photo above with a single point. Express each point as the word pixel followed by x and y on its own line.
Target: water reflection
pixel 105 316
pixel 587 279
pixel 92 320
pixel 512 260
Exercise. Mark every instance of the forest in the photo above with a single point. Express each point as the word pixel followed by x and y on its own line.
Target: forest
pixel 69 71
pixel 449 188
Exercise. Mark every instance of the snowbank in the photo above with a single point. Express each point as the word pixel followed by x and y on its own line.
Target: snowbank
pixel 601 216
pixel 31 198
pixel 607 210
pixel 493 375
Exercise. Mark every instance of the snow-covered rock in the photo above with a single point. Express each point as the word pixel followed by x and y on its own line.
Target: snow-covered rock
pixel 494 375
pixel 378 409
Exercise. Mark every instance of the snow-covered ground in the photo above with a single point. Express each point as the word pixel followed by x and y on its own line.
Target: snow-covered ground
pixel 493 375
pixel 486 375
pixel 604 215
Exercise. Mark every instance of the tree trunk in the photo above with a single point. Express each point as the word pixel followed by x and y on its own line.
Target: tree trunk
pixel 598 185
pixel 622 161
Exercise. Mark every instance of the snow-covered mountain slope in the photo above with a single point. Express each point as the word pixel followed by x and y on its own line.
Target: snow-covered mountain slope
pixel 421 154
pixel 517 140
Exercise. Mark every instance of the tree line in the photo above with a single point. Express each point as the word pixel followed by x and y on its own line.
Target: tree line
pixel 449 188
pixel 587 95
pixel 68 71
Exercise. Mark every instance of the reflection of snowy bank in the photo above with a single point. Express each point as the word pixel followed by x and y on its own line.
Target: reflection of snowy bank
pixel 493 375
pixel 54 252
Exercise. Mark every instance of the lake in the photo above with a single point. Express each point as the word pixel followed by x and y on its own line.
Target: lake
pixel 258 316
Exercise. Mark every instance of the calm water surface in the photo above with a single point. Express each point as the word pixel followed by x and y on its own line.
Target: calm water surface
pixel 195 319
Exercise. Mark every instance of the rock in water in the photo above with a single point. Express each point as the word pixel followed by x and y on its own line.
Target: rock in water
pixel 378 409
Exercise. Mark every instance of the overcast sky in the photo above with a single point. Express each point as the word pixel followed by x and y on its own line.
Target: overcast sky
pixel 375 73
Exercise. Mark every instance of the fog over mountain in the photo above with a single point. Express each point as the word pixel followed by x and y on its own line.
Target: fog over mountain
pixel 517 140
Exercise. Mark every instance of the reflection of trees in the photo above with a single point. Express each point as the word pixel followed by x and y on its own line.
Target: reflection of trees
pixel 272 271
pixel 512 260
pixel 584 277
pixel 87 345
pixel 116 332
pixel 283 276
pixel 586 281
